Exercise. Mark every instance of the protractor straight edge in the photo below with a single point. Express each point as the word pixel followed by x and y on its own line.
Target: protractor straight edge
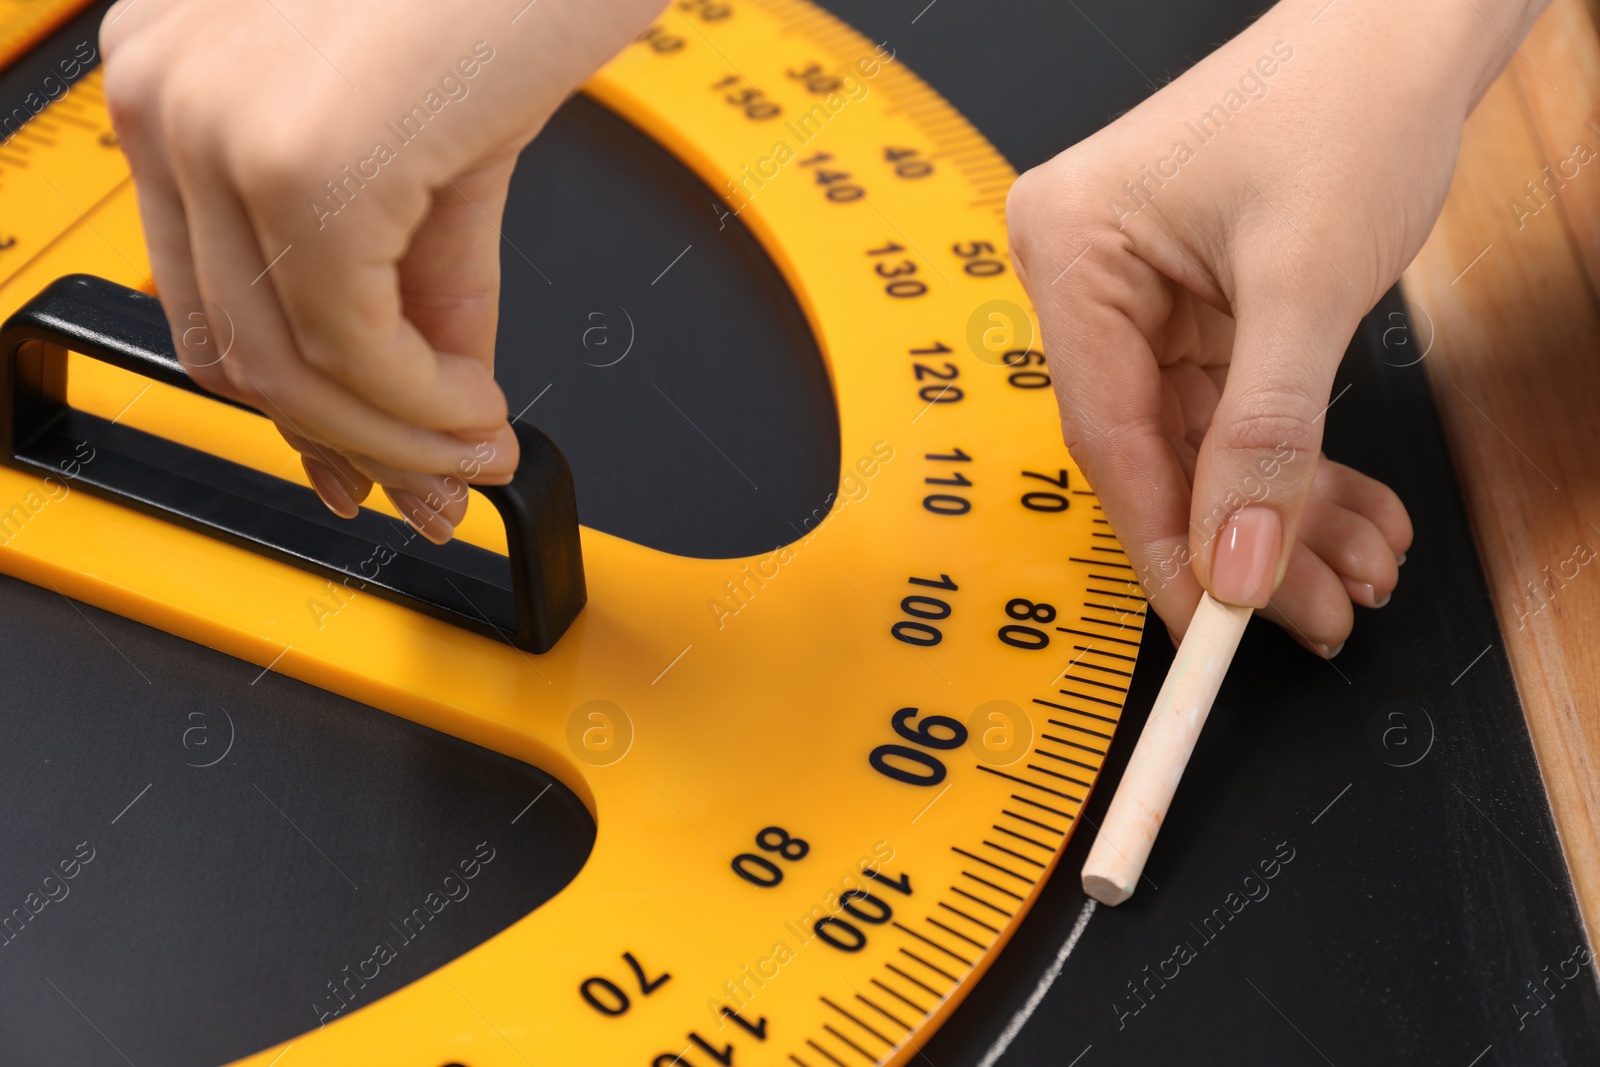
pixel 828 780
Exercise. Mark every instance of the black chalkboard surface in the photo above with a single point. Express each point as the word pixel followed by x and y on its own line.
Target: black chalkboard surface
pixel 1360 866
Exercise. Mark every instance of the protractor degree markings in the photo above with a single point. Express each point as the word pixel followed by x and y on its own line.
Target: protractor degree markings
pixel 933 967
pixel 958 141
pixel 861 1023
pixel 1073 744
pixel 1100 563
pixel 958 891
pixel 951 141
pixel 953 932
pixel 1099 685
pixel 1030 784
pixel 1013 854
pixel 1077 711
pixel 931 943
pixel 1120 609
pixel 919 985
pixel 1034 822
pixel 1046 808
pixel 977 149
pixel 1093 651
pixel 1111 625
pixel 1116 704
pixel 992 865
pixel 1116 595
pixel 968 916
pixel 1034 841
pixel 1063 777
pixel 1090 767
pixel 1072 752
pixel 920 969
pixel 869 1057
pixel 1088 666
pixel 1097 637
pixel 885 1012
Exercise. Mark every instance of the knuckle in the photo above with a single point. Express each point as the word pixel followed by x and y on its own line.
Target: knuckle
pixel 241 378
pixel 1270 422
pixel 132 88
pixel 273 169
pixel 1024 203
pixel 1048 215
pixel 344 348
pixel 269 174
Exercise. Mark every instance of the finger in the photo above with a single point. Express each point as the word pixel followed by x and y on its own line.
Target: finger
pixel 1312 604
pixel 337 481
pixel 330 487
pixel 433 504
pixel 1258 459
pixel 421 516
pixel 265 366
pixel 341 293
pixel 442 495
pixel 1354 548
pixel 136 115
pixel 202 333
pixel 1349 488
pixel 450 289
pixel 1113 418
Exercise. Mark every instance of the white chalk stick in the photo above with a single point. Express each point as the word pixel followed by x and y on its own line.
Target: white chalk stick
pixel 1140 805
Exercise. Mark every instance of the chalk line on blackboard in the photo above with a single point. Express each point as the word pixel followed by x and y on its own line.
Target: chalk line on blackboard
pixel 1024 1013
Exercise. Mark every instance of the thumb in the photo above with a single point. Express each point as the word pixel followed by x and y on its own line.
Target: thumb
pixel 1259 457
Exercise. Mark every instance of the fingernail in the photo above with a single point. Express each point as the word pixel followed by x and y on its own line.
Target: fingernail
pixel 420 517
pixel 1365 594
pixel 330 488
pixel 492 458
pixel 1401 562
pixel 1247 558
pixel 1330 652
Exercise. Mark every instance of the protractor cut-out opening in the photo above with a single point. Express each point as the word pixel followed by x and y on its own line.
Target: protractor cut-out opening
pixel 206 859
pixel 651 336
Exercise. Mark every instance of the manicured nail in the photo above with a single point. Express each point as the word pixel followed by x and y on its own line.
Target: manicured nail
pixel 1247 558
pixel 330 487
pixel 1330 652
pixel 1401 562
pixel 1365 594
pixel 492 459
pixel 421 518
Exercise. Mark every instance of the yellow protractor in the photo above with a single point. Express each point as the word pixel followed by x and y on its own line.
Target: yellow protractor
pixel 828 781
pixel 24 23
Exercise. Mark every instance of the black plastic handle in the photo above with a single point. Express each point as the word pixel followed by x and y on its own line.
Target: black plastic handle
pixel 373 553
